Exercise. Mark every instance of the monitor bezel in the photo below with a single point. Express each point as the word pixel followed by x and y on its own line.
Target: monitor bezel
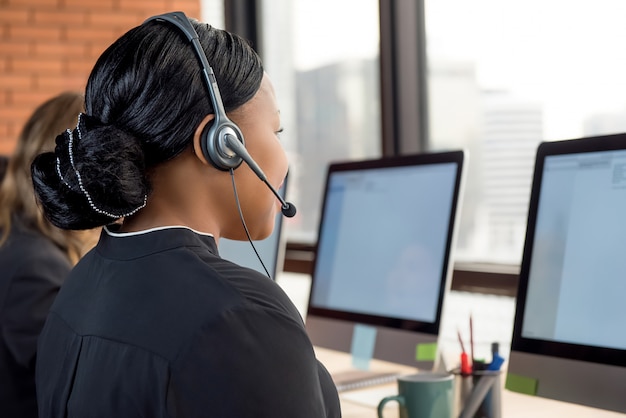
pixel 457 157
pixel 572 351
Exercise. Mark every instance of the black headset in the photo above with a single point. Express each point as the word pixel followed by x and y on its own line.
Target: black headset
pixel 217 140
pixel 222 143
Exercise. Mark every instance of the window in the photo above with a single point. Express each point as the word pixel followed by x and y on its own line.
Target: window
pixel 213 12
pixel 323 58
pixel 505 75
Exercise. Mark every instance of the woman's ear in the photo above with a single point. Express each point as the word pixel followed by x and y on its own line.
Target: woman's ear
pixel 197 138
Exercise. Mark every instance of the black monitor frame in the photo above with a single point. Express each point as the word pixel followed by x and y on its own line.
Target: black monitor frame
pixel 582 366
pixel 394 327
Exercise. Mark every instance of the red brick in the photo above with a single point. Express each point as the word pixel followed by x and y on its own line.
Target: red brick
pixel 4 135
pixel 7 145
pixel 15 127
pixel 144 6
pixel 20 31
pixel 114 18
pixel 72 50
pixel 86 4
pixel 19 81
pixel 89 34
pixel 30 3
pixel 60 82
pixel 32 98
pixel 35 65
pixel 48 46
pixel 11 111
pixel 4 101
pixel 11 15
pixel 60 17
pixel 16 47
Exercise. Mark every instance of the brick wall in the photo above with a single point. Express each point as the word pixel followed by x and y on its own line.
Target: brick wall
pixel 48 46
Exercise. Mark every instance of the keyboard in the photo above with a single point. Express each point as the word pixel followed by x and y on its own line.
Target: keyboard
pixel 359 379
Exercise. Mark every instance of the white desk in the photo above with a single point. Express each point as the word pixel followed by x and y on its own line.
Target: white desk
pixel 362 403
pixel 359 404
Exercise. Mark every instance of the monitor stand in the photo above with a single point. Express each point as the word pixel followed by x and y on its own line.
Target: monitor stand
pixel 392 345
pixel 397 347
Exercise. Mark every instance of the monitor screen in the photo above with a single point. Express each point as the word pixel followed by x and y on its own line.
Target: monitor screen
pixel 383 252
pixel 568 339
pixel 271 249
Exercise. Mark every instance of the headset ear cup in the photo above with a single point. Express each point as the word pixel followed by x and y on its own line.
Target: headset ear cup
pixel 215 148
pixel 206 143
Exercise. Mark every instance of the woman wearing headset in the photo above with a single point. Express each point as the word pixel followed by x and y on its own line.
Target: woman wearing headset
pixel 153 323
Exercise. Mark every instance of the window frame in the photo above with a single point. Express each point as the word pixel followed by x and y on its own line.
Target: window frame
pixel 403 86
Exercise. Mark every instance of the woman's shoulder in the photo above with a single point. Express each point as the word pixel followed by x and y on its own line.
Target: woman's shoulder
pixel 256 289
pixel 27 251
pixel 190 260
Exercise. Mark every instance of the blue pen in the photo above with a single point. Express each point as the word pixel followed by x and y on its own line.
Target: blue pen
pixel 496 363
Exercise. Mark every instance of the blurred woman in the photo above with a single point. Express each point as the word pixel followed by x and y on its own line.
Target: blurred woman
pixel 35 256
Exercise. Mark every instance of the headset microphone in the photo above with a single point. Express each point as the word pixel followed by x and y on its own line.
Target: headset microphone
pixel 287 208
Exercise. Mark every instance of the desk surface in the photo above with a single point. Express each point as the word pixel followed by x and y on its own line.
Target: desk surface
pixel 362 403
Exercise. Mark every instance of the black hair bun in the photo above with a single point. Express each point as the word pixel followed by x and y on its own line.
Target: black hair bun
pixel 96 175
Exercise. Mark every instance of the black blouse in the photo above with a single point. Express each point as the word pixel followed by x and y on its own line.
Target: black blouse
pixel 32 269
pixel 157 325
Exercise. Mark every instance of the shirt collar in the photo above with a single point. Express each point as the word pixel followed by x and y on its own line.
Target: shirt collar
pixel 110 230
pixel 130 245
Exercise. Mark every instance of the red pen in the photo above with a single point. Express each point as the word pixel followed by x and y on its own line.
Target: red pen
pixel 466 368
pixel 471 326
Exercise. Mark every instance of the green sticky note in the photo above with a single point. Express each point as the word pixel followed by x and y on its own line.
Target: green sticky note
pixel 521 384
pixel 426 352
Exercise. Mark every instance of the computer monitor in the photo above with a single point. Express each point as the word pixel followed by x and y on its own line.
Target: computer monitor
pixel 383 256
pixel 568 340
pixel 271 249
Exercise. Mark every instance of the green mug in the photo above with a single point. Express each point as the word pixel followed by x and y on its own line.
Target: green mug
pixel 423 395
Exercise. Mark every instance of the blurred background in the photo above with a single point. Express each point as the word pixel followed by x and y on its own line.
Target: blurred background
pixel 368 78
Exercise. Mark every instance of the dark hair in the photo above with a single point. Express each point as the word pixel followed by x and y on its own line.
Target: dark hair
pixel 144 100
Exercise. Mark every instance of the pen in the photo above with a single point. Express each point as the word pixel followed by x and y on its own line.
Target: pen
pixel 495 349
pixel 466 368
pixel 496 363
pixel 471 326
pixel 496 358
pixel 458 333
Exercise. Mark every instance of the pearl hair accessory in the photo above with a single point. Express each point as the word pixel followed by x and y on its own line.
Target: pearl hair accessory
pixel 80 180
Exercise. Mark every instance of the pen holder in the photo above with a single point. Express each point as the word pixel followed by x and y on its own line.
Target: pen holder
pixel 477 395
